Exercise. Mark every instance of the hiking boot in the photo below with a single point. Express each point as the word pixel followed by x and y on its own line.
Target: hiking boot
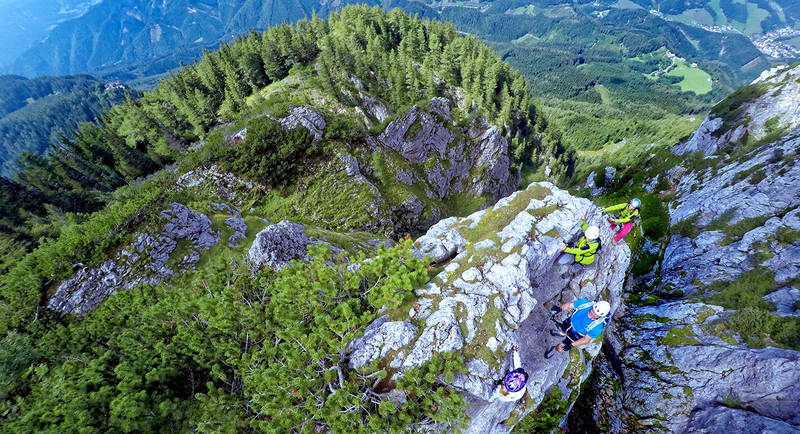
pixel 549 353
pixel 557 333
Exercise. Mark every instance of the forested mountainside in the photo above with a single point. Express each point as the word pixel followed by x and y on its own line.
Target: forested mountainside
pixel 607 71
pixel 367 121
pixel 136 38
pixel 36 113
pixel 316 229
pixel 118 33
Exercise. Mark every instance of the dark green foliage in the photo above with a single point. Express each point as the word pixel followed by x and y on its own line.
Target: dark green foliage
pixel 787 235
pixel 721 222
pixel 227 351
pixel 38 125
pixel 737 230
pixel 644 263
pixel 731 106
pixel 16 92
pixel 759 327
pixel 547 416
pixel 655 216
pixel 745 291
pixel 268 154
pixel 687 227
pixel 738 176
pixel 344 129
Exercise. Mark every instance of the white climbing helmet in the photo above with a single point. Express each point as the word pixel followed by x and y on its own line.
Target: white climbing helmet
pixel 636 203
pixel 592 233
pixel 601 308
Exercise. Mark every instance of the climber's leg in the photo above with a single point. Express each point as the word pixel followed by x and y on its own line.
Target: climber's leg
pixel 625 229
pixel 564 262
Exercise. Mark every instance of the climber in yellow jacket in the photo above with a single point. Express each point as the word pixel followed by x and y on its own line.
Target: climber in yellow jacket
pixel 627 212
pixel 584 251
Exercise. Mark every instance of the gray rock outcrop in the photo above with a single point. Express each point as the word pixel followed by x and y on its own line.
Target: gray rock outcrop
pixel 276 245
pixel 497 283
pixel 425 136
pixel 144 262
pixel 304 116
pixel 422 148
pixel 225 184
pixel 674 369
pixel 730 193
pixel 239 228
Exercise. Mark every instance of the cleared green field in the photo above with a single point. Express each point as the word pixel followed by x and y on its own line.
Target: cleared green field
pixel 523 10
pixel 605 95
pixel 694 79
pixel 626 4
pixel 755 15
pixel 719 16
pixel 694 17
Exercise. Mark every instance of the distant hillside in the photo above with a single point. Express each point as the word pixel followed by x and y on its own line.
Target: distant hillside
pixel 35 113
pixel 22 22
pixel 750 17
pixel 113 34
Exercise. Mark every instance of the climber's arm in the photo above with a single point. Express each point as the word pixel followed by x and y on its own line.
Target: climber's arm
pixel 567 306
pixel 615 207
pixel 582 341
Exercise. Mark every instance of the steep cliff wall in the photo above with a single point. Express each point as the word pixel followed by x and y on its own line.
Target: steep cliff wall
pixel 497 283
pixel 722 354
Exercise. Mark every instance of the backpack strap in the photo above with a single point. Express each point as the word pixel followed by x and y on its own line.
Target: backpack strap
pixel 597 322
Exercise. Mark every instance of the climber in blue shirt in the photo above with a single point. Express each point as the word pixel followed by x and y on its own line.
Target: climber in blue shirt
pixel 586 323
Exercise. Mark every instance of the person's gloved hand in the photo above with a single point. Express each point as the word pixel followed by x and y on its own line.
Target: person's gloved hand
pixel 554 310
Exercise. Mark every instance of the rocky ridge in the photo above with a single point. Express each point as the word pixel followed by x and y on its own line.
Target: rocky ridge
pixel 772 107
pixel 434 164
pixel 673 370
pixel 497 282
pixel 681 366
pixel 145 261
pixel 432 161
pixel 760 194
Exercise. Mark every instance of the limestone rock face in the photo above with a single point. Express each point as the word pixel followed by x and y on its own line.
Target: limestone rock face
pixel 498 281
pixel 769 204
pixel 681 366
pixel 87 288
pixel 226 184
pixel 422 147
pixel 304 116
pixel 278 244
pixel 674 373
pixel 755 118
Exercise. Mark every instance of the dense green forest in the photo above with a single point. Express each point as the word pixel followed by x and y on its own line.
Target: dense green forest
pixel 223 350
pixel 36 113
